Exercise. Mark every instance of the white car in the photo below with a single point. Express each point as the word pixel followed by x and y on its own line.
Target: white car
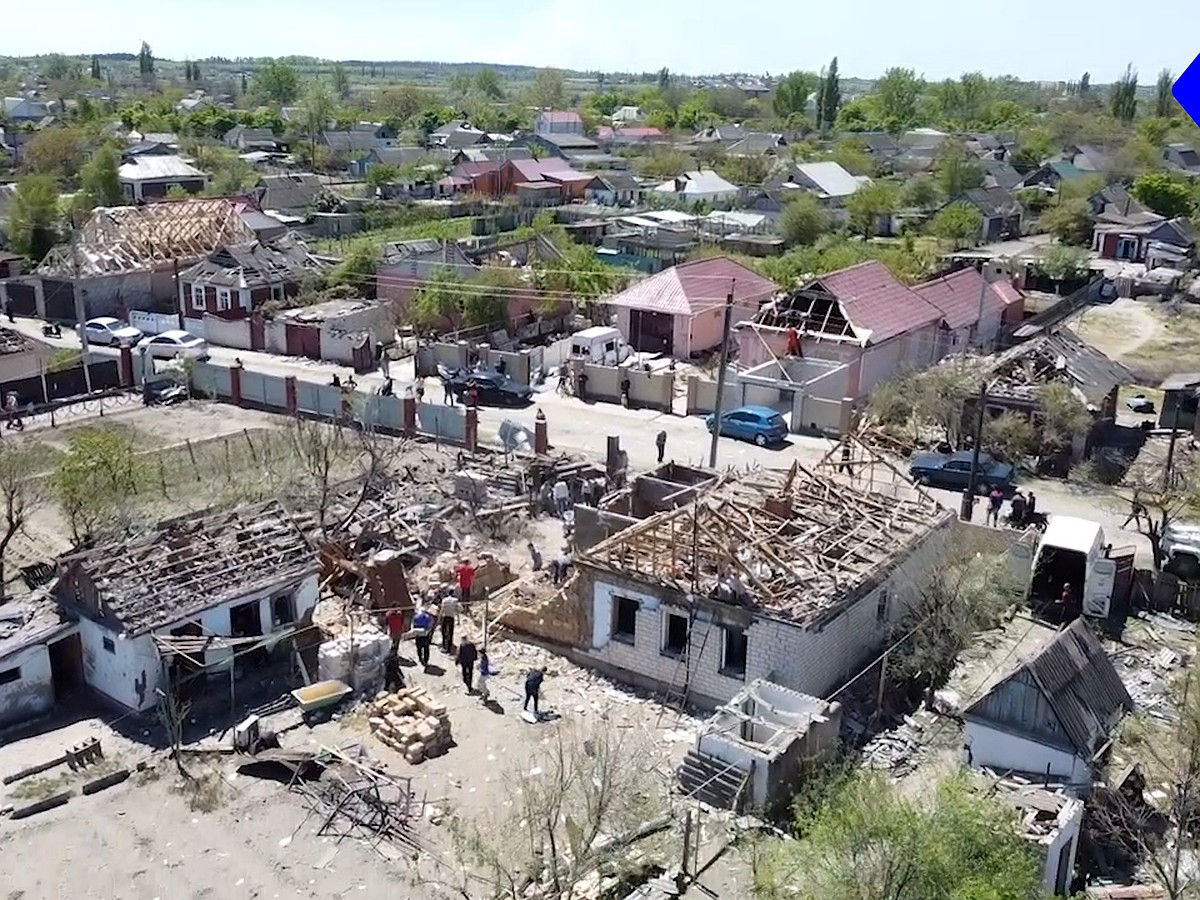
pixel 173 344
pixel 111 331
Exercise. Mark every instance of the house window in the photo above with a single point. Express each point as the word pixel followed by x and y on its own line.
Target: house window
pixel 624 620
pixel 277 292
pixel 881 605
pixel 675 634
pixel 283 610
pixel 733 658
pixel 8 676
pixel 109 645
pixel 198 297
pixel 224 300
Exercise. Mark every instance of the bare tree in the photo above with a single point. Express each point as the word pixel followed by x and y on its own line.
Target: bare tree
pixel 577 806
pixel 19 494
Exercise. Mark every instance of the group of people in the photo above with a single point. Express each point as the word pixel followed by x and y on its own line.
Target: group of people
pixel 1022 507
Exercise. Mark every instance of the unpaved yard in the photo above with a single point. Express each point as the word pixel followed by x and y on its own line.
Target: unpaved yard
pixel 1146 335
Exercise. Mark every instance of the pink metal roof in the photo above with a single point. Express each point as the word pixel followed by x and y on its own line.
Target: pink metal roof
pixel 957 296
pixel 561 116
pixel 475 169
pixel 697 287
pixel 536 169
pixel 875 303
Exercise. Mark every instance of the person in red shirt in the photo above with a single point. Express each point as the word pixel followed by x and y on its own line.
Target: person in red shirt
pixel 395 627
pixel 466 578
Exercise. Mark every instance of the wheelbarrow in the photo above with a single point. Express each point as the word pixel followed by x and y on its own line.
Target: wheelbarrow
pixel 317 701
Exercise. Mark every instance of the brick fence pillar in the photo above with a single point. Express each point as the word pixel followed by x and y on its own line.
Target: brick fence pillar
pixel 471 432
pixel 410 416
pixel 235 385
pixel 541 438
pixel 126 367
pixel 289 393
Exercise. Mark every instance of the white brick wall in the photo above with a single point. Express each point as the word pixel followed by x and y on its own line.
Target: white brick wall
pixel 815 662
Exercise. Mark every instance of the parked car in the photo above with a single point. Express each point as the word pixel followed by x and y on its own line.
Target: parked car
pixel 760 424
pixel 952 471
pixel 171 344
pixel 1140 404
pixel 112 332
pixel 164 392
pixel 494 389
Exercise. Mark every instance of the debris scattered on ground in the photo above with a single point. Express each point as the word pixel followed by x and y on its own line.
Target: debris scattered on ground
pixel 411 722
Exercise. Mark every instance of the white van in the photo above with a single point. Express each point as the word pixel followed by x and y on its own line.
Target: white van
pixel 1180 546
pixel 1072 551
pixel 600 345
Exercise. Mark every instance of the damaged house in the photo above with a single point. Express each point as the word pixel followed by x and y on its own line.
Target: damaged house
pixel 794 577
pixel 40 659
pixel 193 597
pixel 1052 717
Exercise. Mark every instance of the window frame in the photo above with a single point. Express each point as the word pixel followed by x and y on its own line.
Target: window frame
pixel 10 676
pixel 199 298
pixel 278 621
pixel 109 645
pixel 727 669
pixel 624 637
pixel 224 299
pixel 665 648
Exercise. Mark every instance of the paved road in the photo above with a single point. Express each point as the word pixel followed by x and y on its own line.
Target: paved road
pixel 574 426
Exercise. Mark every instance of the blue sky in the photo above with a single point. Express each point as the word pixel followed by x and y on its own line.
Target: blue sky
pixel 1044 40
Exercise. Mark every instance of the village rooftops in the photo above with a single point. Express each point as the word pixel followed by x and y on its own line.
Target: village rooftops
pixel 186 566
pixel 254 264
pixel 804 544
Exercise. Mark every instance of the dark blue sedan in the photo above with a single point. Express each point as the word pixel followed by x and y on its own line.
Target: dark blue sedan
pixel 759 424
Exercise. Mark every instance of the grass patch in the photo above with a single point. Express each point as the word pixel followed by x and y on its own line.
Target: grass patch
pixel 437 229
pixel 204 791
pixel 39 787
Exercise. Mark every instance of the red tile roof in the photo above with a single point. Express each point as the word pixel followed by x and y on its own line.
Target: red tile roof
pixel 876 305
pixel 957 296
pixel 697 287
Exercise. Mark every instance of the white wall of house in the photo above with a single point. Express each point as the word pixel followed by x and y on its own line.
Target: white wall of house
pixel 1063 840
pixel 811 660
pixel 1004 751
pixel 128 669
pixel 26 685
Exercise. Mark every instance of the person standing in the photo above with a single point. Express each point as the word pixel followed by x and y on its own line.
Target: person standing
pixel 385 361
pixel 448 393
pixel 660 444
pixel 423 626
pixel 467 654
pixel 446 621
pixel 535 557
pixel 395 627
pixel 1030 505
pixel 466 580
pixel 393 679
pixel 1016 510
pixel 562 497
pixel 484 672
pixel 995 501
pixel 533 688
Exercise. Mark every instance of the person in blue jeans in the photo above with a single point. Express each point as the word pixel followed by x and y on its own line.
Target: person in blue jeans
pixel 423 625
pixel 533 688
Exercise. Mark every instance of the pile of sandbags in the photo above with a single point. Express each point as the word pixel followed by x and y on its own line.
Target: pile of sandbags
pixel 412 722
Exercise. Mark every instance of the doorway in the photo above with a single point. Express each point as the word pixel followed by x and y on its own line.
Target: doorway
pixel 66 666
pixel 651 332
pixel 186 668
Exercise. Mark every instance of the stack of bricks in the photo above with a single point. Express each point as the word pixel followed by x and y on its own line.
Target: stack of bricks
pixel 411 722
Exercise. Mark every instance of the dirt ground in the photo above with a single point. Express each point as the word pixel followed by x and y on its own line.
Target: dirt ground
pixel 1152 338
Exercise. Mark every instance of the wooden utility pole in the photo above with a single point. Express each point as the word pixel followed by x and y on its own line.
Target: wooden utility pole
pixel 721 374
pixel 968 500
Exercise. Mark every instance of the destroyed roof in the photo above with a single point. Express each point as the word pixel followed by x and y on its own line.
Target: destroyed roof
pixel 124 239
pixel 31 620
pixel 1050 357
pixel 957 295
pixel 254 264
pixel 296 191
pixel 190 564
pixel 804 544
pixel 149 167
pixel 1078 687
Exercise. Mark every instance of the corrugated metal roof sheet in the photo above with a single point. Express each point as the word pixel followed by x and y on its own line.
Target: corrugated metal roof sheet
pixel 875 303
pixel 695 287
pixel 957 296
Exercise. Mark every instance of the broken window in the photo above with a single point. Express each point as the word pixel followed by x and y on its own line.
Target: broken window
pixel 109 645
pixel 625 613
pixel 881 605
pixel 676 637
pixel 283 610
pixel 7 676
pixel 733 661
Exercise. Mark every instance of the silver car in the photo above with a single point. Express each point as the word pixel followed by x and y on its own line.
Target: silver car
pixel 175 344
pixel 111 332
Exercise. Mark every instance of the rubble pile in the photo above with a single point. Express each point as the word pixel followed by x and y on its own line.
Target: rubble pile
pixel 411 722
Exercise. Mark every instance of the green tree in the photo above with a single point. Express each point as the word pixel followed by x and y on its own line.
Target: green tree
pixel 357 270
pixel 319 109
pixel 1122 96
pixel 1164 194
pixel 1085 83
pixel 96 479
pixel 1164 101
pixel 548 90
pixel 487 84
pixel 829 96
pixel 898 94
pixel 341 82
pixel 382 174
pixel 33 216
pixel 20 495
pixel 869 203
pixel 803 220
pixel 277 82
pixel 920 192
pixel 1062 263
pixel 402 101
pixel 98 179
pixel 870 841
pixel 852 156
pixel 958 224
pixel 792 93
pixel 56 152
pixel 145 61
pixel 1069 220
pixel 438 300
pixel 95 70
pixel 664 164
pixel 664 80
pixel 956 172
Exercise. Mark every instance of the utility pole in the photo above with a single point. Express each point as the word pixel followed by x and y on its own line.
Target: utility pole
pixel 983 286
pixel 968 500
pixel 721 373
pixel 80 315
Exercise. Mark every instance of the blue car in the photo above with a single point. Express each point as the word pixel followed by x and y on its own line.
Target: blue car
pixel 760 424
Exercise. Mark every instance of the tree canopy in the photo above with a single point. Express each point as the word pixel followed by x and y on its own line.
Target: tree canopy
pixel 1164 194
pixel 277 82
pixel 33 216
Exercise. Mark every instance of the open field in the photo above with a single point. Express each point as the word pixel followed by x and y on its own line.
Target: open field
pixel 1153 340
